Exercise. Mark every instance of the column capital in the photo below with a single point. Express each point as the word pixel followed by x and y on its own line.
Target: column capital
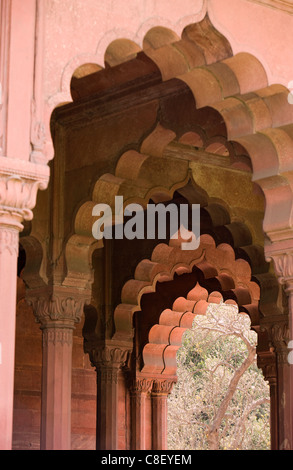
pixel 163 386
pixel 57 307
pixel 141 385
pixel 281 254
pixel 109 354
pixel 20 181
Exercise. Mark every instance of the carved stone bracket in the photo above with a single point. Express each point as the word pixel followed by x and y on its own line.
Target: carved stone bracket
pixel 266 361
pixel 279 336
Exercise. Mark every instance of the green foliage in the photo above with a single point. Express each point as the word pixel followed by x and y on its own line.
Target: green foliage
pixel 209 362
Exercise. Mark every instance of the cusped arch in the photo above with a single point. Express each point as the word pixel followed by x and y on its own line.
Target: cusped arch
pixel 165 337
pixel 213 263
pixel 233 113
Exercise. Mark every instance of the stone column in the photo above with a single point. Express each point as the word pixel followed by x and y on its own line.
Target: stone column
pixel 160 391
pixel 57 310
pixel 280 339
pixel 281 253
pixel 108 359
pixel 19 183
pixel 266 360
pixel 141 387
pixel 8 276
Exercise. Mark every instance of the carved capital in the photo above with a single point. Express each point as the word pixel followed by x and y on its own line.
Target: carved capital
pixel 141 385
pixel 57 307
pixel 9 238
pixel 20 181
pixel 283 264
pixel 109 356
pixel 163 386
pixel 280 252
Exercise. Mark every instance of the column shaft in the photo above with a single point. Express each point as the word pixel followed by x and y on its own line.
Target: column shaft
pixel 107 408
pixel 57 308
pixel 56 389
pixel 8 278
pixel 108 359
pixel 160 391
pixel 140 424
pixel 159 418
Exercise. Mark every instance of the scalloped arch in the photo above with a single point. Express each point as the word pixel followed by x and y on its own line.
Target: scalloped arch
pixel 211 261
pixel 233 113
pixel 165 337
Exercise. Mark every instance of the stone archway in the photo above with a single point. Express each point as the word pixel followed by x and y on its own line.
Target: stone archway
pixel 189 118
pixel 139 361
pixel 204 315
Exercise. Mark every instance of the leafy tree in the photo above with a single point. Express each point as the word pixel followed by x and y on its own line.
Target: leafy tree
pixel 221 400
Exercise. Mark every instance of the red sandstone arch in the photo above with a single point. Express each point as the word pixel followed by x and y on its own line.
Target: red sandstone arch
pixel 220 103
pixel 225 106
pixel 165 338
pixel 217 262
pixel 153 380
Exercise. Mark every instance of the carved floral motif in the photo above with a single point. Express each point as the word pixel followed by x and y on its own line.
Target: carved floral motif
pixel 141 385
pixel 109 356
pixel 163 386
pixel 57 308
pixel 283 263
pixel 9 240
pixel 57 335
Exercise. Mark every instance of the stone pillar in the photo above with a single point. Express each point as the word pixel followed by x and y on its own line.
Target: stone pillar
pixel 140 389
pixel 108 359
pixel 19 183
pixel 57 311
pixel 8 276
pixel 280 339
pixel 160 391
pixel 281 253
pixel 266 361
